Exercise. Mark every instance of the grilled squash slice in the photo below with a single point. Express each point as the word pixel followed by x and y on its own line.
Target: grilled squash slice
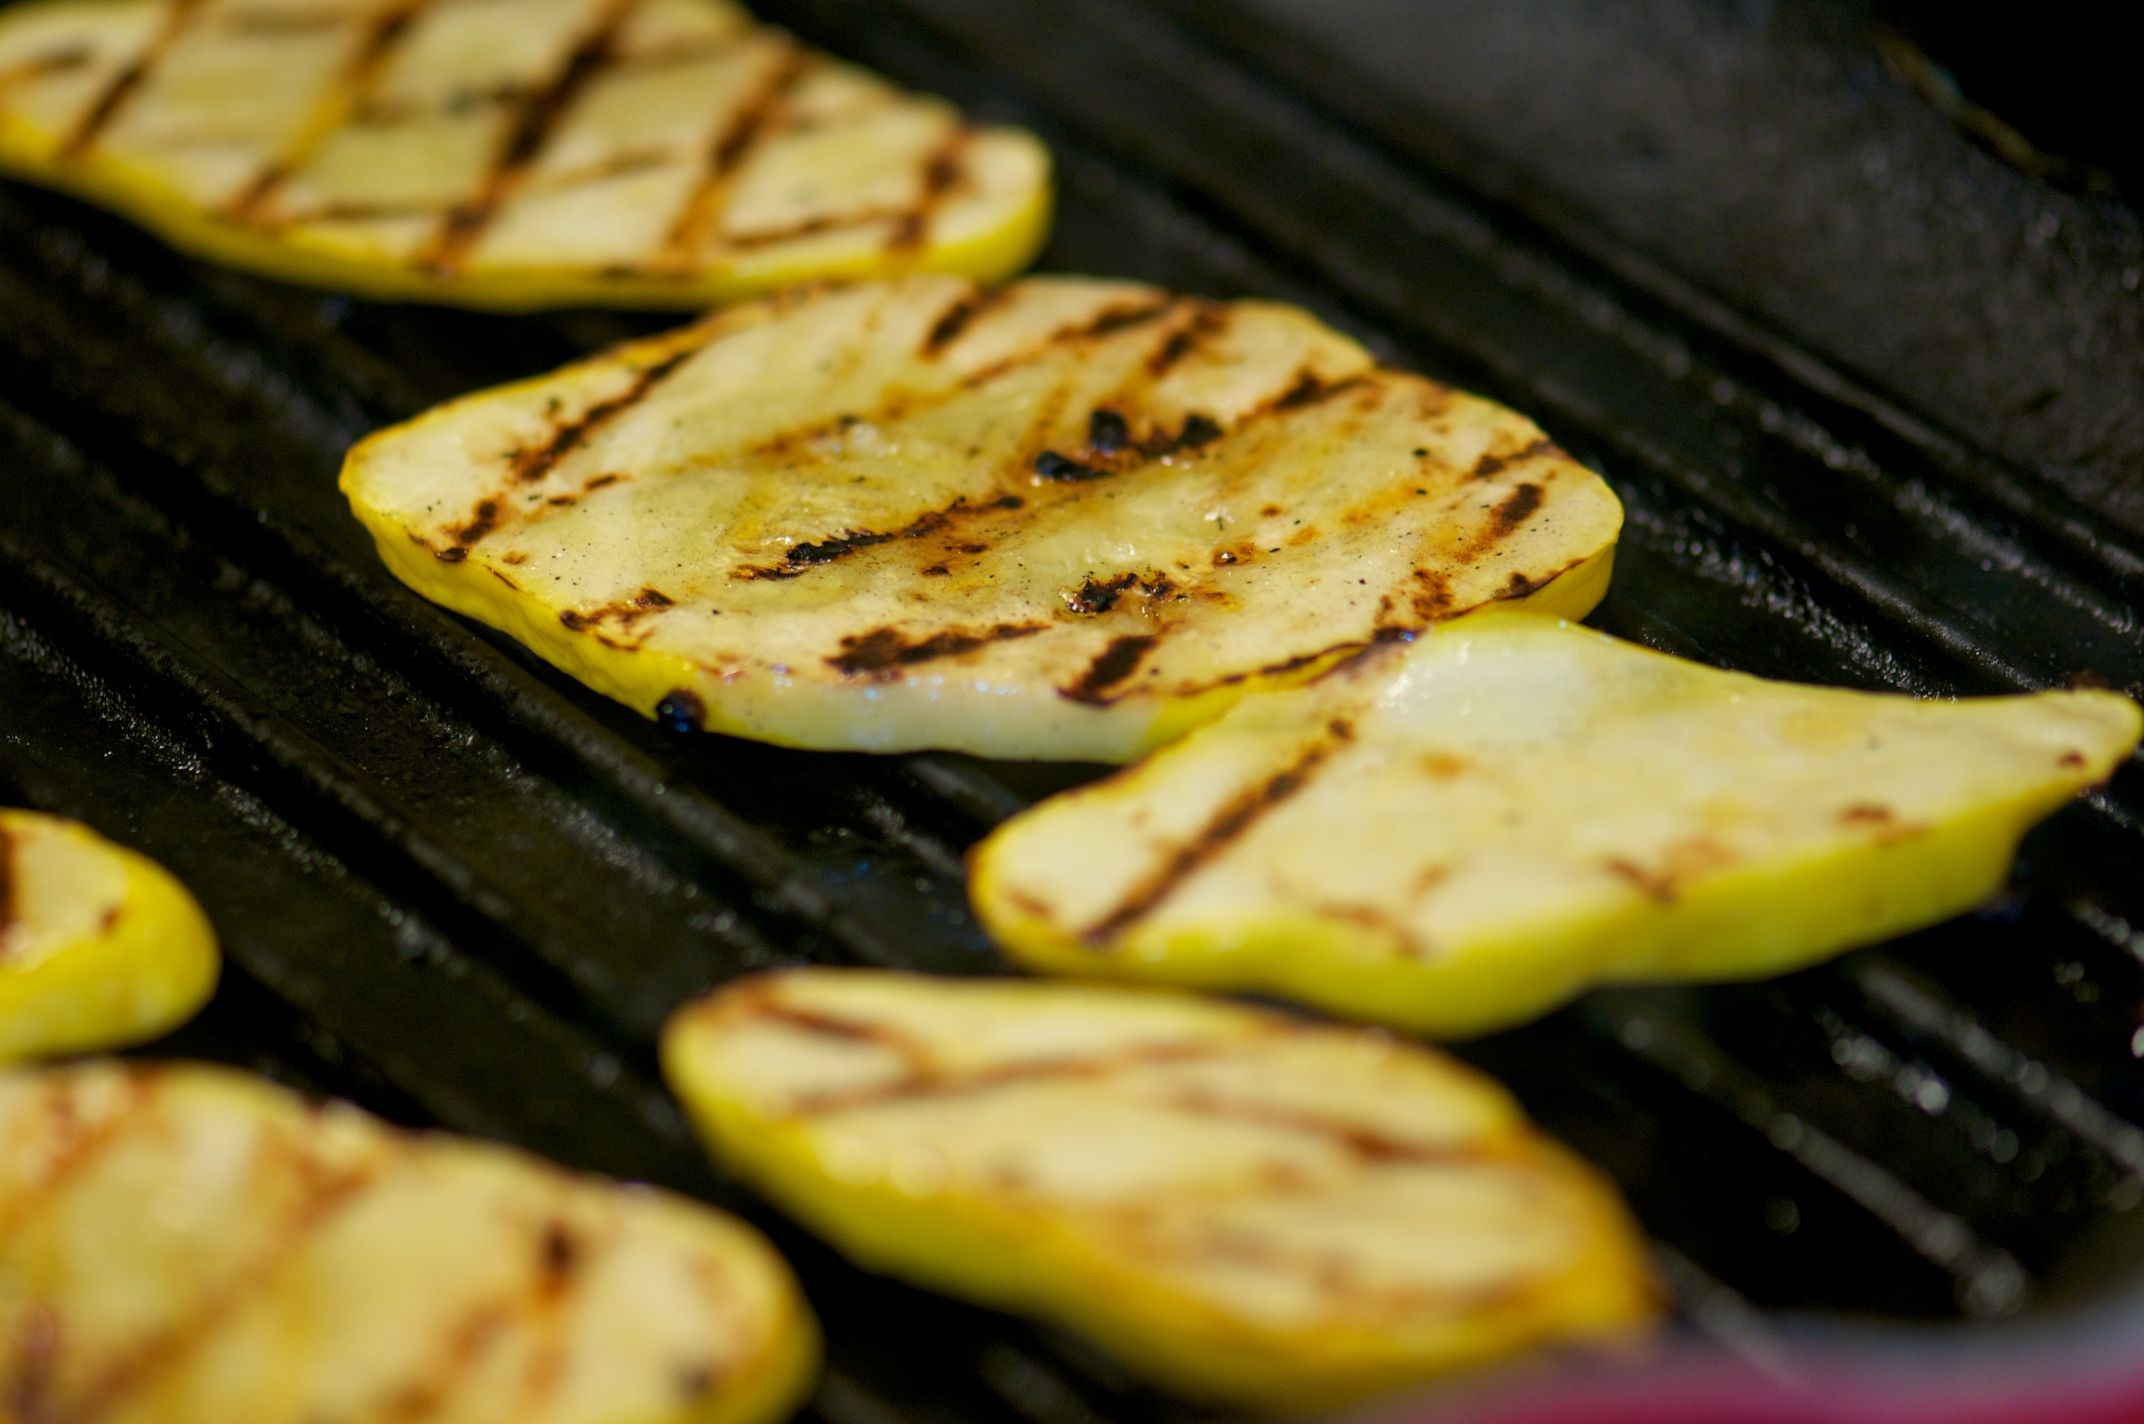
pixel 98 946
pixel 1060 519
pixel 1244 1207
pixel 181 1245
pixel 1458 834
pixel 507 153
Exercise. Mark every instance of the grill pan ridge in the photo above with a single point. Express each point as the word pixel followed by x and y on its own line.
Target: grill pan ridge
pixel 463 891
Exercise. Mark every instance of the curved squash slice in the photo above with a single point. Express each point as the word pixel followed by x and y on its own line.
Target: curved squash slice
pixel 1461 833
pixel 507 153
pixel 1061 519
pixel 181 1244
pixel 98 946
pixel 1242 1206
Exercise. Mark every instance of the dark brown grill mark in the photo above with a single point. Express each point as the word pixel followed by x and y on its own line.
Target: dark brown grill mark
pixel 1494 463
pixel 126 1377
pixel 1207 321
pixel 1514 509
pixel 534 463
pixel 1366 1144
pixel 882 653
pixel 1060 469
pixel 624 612
pixel 481 523
pixel 382 37
pixel 538 114
pixel 1108 432
pixel 924 1081
pixel 1227 827
pixel 748 126
pixel 128 82
pixel 1660 889
pixel 1197 430
pixel 1312 389
pixel 1100 595
pixel 1111 667
pixel 802 558
pixel 958 318
pixel 43 66
pixel 558 1252
pixel 943 172
pixel 40 1339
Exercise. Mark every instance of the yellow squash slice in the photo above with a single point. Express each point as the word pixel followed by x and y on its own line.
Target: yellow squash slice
pixel 1244 1207
pixel 507 153
pixel 98 946
pixel 1458 834
pixel 1061 519
pixel 181 1245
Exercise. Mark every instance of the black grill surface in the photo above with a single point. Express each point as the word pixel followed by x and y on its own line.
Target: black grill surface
pixel 461 890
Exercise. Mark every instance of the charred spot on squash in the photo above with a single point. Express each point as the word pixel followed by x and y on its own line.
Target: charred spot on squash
pixel 881 653
pixel 681 710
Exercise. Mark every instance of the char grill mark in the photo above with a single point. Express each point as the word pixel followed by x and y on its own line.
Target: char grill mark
pixel 480 523
pixel 1312 389
pixel 752 123
pixel 1227 826
pixel 1206 322
pixel 881 654
pixel 533 463
pixel 958 318
pixel 80 1146
pixel 803 558
pixel 1106 323
pixel 128 1377
pixel 1100 595
pixel 1108 433
pixel 1494 462
pixel 128 82
pixel 924 1078
pixel 1366 1145
pixel 58 61
pixel 624 612
pixel 538 113
pixel 1060 469
pixel 926 1082
pixel 1513 510
pixel 367 62
pixel 1196 431
pixel 1110 668
pixel 943 172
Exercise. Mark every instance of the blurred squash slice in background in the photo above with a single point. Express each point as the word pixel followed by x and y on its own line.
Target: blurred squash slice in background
pixel 99 946
pixel 507 153
pixel 181 1245
pixel 1243 1207
pixel 1459 834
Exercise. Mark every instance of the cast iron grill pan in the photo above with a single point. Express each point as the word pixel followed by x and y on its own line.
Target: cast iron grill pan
pixel 463 891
